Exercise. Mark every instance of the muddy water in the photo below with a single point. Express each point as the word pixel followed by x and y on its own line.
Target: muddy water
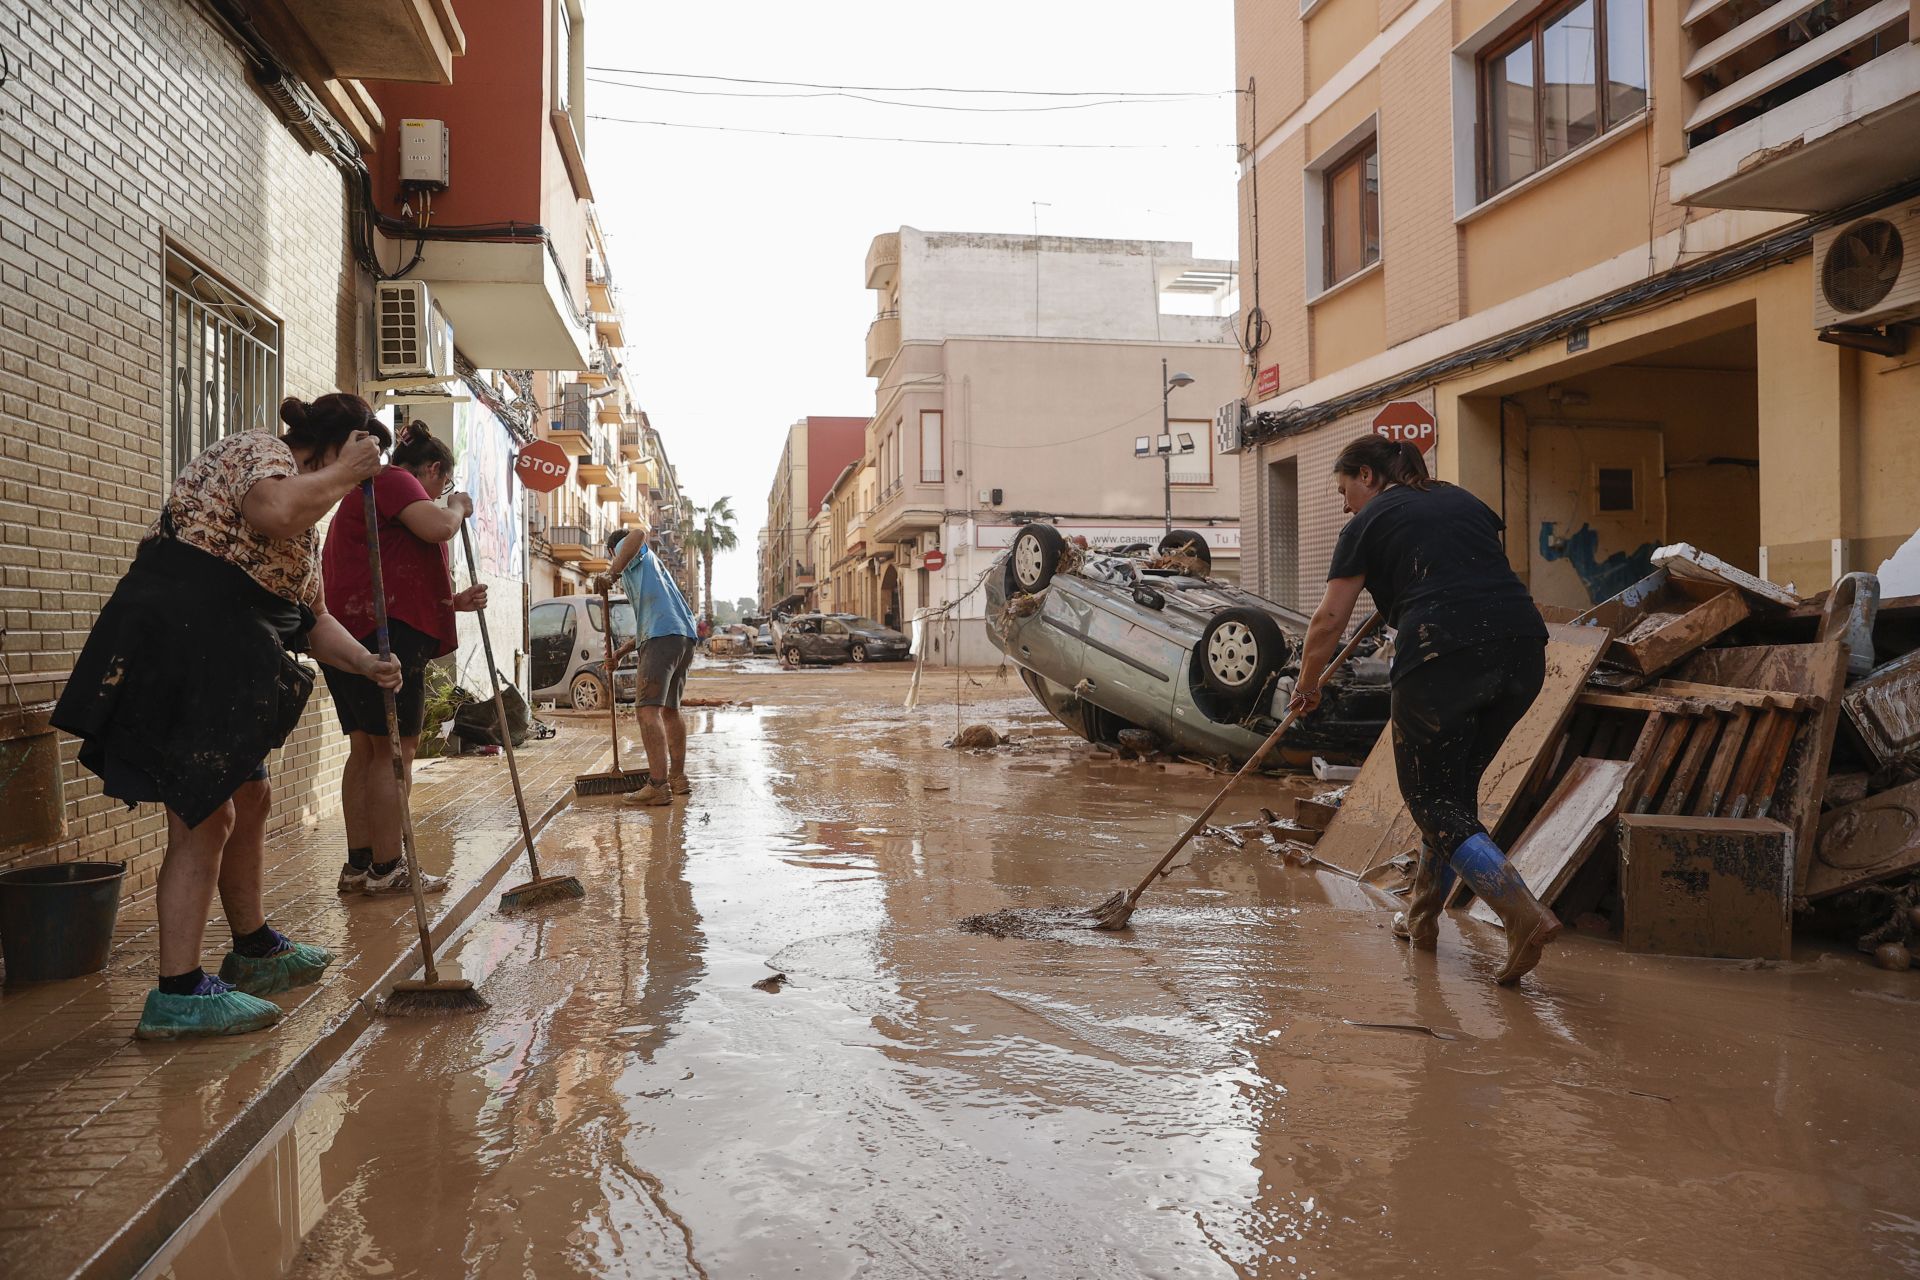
pixel 1188 1098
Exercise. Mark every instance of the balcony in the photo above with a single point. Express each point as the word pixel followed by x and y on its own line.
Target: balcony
pixel 506 301
pixel 1801 107
pixel 631 519
pixel 568 542
pixel 611 328
pixel 883 260
pixel 383 39
pixel 883 341
pixel 609 412
pixel 632 446
pixel 607 492
pixel 572 443
pixel 594 564
pixel 592 471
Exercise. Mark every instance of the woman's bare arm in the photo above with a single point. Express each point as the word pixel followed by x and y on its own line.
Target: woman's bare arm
pixel 332 645
pixel 287 506
pixel 431 522
pixel 1323 638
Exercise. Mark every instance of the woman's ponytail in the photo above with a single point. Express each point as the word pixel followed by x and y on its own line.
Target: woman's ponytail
pixel 418 449
pixel 1394 461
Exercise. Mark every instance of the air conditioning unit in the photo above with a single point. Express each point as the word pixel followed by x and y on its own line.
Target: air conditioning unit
pixel 1867 272
pixel 411 336
pixel 1229 426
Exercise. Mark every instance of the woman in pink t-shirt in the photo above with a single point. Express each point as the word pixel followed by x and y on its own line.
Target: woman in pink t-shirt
pixel 421 602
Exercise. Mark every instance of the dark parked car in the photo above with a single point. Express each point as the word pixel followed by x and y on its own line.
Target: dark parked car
pixel 1110 642
pixel 838 637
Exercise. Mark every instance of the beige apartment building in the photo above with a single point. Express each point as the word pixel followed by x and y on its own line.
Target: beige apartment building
pixel 1637 272
pixel 1015 376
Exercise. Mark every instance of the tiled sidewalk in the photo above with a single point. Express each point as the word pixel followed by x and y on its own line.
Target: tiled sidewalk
pixel 108 1143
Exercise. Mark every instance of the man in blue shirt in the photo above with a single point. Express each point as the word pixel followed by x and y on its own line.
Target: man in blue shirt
pixel 663 627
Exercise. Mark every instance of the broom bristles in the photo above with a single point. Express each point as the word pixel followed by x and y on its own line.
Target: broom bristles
pixel 430 999
pixel 546 889
pixel 1113 913
pixel 608 784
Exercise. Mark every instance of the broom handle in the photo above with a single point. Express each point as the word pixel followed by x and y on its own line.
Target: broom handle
pixel 393 732
pixel 613 697
pixel 1253 763
pixel 500 711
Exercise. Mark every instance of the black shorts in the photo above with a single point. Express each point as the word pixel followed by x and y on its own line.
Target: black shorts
pixel 664 663
pixel 359 702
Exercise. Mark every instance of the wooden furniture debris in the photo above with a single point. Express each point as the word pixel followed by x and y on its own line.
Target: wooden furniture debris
pixel 1864 843
pixel 1662 618
pixel 1884 709
pixel 1565 831
pixel 1314 813
pixel 1782 770
pixel 1707 886
pixel 1684 560
pixel 1373 824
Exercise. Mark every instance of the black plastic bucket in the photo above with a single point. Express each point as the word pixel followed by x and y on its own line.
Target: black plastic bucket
pixel 57 921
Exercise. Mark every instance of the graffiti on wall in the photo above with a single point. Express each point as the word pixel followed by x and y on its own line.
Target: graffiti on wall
pixel 1603 579
pixel 483 469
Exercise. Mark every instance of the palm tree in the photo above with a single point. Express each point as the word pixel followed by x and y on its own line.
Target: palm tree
pixel 712 533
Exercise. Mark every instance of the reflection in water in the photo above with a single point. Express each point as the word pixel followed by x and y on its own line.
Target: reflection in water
pixel 1190 1097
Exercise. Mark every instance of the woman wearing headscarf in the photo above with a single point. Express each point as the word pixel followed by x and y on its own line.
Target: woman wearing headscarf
pixel 421 602
pixel 1469 659
pixel 187 682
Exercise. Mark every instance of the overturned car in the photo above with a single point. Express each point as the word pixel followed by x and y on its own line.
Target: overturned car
pixel 1109 643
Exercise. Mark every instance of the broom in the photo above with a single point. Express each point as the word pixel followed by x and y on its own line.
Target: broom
pixel 540 888
pixel 1117 910
pixel 432 994
pixel 609 784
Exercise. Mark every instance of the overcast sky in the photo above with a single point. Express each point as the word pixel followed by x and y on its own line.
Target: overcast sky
pixel 741 257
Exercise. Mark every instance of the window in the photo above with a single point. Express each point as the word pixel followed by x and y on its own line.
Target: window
pixel 896 438
pixel 1614 489
pixel 223 356
pixel 1351 226
pixel 551 622
pixel 1194 468
pixel 1558 82
pixel 932 447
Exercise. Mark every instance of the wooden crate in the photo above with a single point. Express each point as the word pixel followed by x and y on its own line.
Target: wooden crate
pixel 1707 886
pixel 1662 618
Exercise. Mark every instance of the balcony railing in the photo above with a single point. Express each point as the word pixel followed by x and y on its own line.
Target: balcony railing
pixel 883 341
pixel 569 542
pixel 632 443
pixel 883 259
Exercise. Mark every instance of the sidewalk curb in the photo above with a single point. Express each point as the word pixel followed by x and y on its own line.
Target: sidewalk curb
pixel 198 1185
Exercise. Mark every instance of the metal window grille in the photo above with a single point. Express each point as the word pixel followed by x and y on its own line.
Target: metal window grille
pixel 224 362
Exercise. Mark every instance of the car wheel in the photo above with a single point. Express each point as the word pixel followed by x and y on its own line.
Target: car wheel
pixel 1185 542
pixel 1036 554
pixel 859 653
pixel 790 656
pixel 1239 650
pixel 588 692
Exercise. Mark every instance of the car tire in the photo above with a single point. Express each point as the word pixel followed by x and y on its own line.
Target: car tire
pixel 1034 557
pixel 858 653
pixel 588 692
pixel 790 656
pixel 1188 543
pixel 1238 651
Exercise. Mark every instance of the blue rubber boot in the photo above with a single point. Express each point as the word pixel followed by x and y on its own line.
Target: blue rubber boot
pixel 1529 925
pixel 292 964
pixel 1433 880
pixel 214 1009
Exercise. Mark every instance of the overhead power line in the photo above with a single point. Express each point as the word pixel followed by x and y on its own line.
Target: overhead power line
pixel 1177 100
pixel 925 88
pixel 933 142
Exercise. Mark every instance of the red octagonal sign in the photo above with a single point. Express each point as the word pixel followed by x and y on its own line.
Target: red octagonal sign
pixel 934 560
pixel 1408 421
pixel 542 466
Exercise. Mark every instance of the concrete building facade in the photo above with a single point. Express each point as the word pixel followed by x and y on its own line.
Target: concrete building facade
pixel 1014 376
pixel 1586 252
pixel 817 449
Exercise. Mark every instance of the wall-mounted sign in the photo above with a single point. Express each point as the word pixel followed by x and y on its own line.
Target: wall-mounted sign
pixel 1229 423
pixel 1408 421
pixel 1266 383
pixel 934 561
pixel 542 466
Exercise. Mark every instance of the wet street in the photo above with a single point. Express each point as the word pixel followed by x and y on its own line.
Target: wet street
pixel 1255 1080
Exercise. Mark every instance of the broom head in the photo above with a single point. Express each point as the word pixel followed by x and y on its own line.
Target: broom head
pixel 1114 912
pixel 419 998
pixel 545 889
pixel 608 784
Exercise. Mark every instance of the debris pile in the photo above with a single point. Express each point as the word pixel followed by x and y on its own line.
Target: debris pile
pixel 1713 765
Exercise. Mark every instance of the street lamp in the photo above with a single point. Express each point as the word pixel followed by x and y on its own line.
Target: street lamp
pixel 1165 445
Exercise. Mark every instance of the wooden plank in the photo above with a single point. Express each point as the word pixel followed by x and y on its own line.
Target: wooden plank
pixel 1593 698
pixel 1706 732
pixel 1818 670
pixel 1864 843
pixel 1770 729
pixel 1640 755
pixel 1726 758
pixel 1767 782
pixel 1684 560
pixel 1673 736
pixel 1706 886
pixel 1565 831
pixel 1720 694
pixel 1373 824
pixel 1654 645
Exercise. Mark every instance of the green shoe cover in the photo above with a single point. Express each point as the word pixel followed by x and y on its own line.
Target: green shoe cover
pixel 297 965
pixel 228 1013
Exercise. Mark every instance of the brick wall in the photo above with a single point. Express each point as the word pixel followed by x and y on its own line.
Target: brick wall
pixel 124 126
pixel 1420 249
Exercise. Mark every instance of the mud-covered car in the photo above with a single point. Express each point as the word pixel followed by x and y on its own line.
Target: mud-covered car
pixel 838 637
pixel 1114 642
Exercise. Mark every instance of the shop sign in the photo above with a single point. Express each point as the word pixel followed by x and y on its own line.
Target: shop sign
pixel 542 466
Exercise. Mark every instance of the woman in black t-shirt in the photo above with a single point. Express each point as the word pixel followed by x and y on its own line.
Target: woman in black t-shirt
pixel 1469 659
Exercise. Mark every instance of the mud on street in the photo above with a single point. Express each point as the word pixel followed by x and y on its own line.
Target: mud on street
pixel 1256 1080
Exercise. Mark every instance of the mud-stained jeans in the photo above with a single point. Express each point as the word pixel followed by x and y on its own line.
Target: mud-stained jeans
pixel 1450 716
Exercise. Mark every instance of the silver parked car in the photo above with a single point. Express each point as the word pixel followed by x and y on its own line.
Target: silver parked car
pixel 1109 643
pixel 566 640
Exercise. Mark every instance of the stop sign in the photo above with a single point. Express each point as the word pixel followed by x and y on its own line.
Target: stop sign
pixel 542 466
pixel 1407 421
